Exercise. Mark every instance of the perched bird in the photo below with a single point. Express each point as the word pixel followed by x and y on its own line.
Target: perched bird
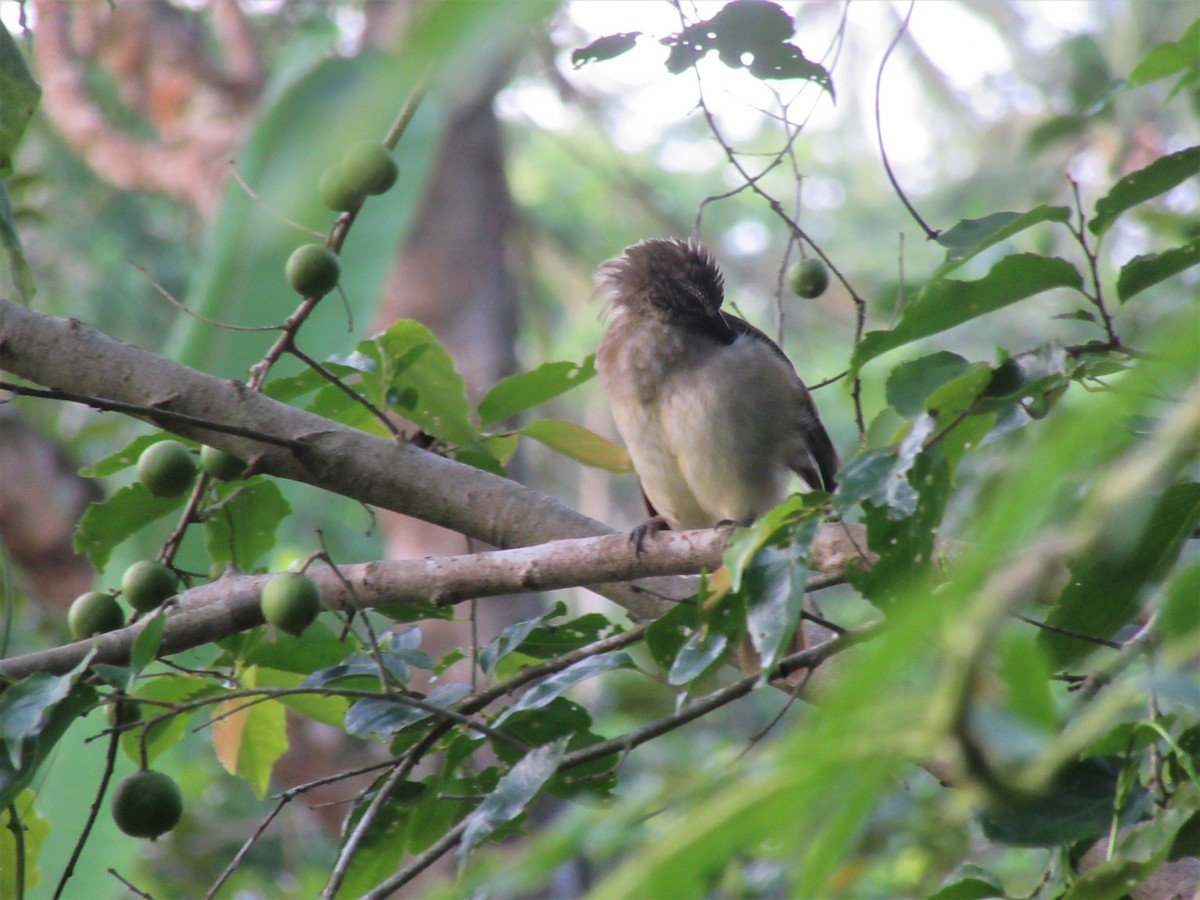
pixel 712 412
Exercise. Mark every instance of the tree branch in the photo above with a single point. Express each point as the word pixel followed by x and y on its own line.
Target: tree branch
pixel 224 607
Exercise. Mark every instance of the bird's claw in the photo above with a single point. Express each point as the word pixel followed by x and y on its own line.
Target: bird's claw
pixel 638 536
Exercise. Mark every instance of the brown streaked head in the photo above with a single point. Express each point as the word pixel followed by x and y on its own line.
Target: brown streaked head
pixel 666 278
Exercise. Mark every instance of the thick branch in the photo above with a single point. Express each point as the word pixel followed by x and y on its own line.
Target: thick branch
pixel 65 354
pixel 213 611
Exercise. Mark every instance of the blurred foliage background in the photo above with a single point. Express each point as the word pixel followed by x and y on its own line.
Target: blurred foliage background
pixel 984 107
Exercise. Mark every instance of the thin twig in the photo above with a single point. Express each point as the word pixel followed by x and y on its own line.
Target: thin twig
pixel 152 413
pixel 110 762
pixel 178 304
pixel 346 389
pixel 930 233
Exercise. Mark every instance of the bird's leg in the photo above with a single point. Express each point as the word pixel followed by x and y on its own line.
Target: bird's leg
pixel 638 536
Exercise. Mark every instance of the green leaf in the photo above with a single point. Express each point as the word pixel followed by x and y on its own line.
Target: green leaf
pixel 387 716
pixel 1105 590
pixel 1025 676
pixel 550 688
pixel 423 385
pixel 122 459
pixel 773 588
pixel 1180 614
pixel 970 237
pixel 1168 58
pixel 108 523
pixel 1078 805
pixel 31 724
pixel 242 528
pixel 777 525
pixel 911 382
pixel 329 710
pixel 1137 187
pixel 700 652
pixel 1137 853
pixel 517 393
pixel 512 637
pixel 248 737
pixel 970 883
pixel 515 790
pixel 905 543
pixel 669 632
pixel 10 240
pixel 1145 271
pixel 579 444
pixel 145 646
pixel 168 688
pixel 21 94
pixel 608 47
pixel 33 828
pixel 942 304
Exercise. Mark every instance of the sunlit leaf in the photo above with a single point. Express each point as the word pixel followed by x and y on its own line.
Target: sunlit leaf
pixel 579 444
pixel 248 737
pixel 1168 58
pixel 33 829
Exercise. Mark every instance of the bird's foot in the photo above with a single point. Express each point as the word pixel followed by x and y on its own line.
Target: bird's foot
pixel 638 536
pixel 735 523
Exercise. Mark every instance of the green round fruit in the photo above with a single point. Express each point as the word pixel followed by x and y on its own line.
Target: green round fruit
pixel 166 468
pixel 147 804
pixel 220 464
pixel 147 584
pixel 809 278
pixel 291 602
pixel 313 270
pixel 370 168
pixel 94 613
pixel 335 192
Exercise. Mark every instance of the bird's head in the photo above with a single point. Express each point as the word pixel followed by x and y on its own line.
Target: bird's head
pixel 671 280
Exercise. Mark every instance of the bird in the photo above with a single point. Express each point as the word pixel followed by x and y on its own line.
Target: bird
pixel 711 410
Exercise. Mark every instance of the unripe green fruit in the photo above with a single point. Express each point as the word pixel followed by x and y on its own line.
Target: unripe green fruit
pixel 220 464
pixel 147 804
pixel 809 278
pixel 94 613
pixel 166 469
pixel 370 168
pixel 147 584
pixel 291 602
pixel 335 192
pixel 313 270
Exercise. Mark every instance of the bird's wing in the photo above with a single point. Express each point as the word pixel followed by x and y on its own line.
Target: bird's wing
pixel 819 465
